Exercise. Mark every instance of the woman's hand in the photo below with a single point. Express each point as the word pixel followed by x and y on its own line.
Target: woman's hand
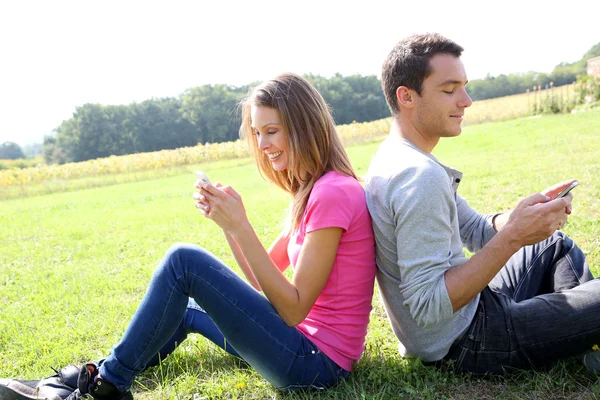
pixel 222 204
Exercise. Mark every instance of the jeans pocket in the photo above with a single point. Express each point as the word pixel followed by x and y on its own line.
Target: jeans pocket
pixel 336 373
pixel 476 331
pixel 315 371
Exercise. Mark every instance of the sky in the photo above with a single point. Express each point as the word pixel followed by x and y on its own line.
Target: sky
pixel 58 55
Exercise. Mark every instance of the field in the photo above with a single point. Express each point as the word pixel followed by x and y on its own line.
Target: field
pixel 38 178
pixel 519 105
pixel 74 265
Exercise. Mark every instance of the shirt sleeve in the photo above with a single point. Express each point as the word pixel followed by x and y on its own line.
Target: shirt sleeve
pixel 475 229
pixel 423 209
pixel 329 205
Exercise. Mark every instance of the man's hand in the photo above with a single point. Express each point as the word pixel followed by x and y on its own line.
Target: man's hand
pixel 536 217
pixel 552 191
pixel 501 219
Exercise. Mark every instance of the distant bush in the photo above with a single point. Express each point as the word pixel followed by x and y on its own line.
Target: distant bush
pixel 587 89
pixel 552 99
pixel 21 163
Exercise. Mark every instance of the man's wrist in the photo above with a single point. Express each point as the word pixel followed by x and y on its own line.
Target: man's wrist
pixel 494 222
pixel 510 239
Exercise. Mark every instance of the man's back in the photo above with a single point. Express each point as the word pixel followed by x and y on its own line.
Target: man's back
pixel 411 198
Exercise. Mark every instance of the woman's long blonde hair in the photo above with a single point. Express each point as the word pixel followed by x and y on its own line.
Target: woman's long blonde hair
pixel 315 147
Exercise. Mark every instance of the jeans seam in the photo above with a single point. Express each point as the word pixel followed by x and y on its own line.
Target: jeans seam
pixel 293 354
pixel 533 262
pixel 160 324
pixel 572 266
pixel 268 334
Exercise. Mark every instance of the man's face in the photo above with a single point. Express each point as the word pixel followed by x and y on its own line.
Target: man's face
pixel 440 107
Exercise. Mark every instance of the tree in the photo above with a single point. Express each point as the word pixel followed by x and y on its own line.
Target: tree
pixel 212 110
pixel 32 150
pixel 593 52
pixel 352 98
pixel 158 124
pixel 10 151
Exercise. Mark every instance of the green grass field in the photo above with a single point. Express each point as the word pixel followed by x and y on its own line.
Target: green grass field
pixel 74 266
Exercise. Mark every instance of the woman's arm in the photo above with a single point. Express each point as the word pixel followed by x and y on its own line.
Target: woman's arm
pixel 241 261
pixel 277 252
pixel 292 300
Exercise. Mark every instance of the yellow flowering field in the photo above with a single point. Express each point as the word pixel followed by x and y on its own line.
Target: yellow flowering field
pixel 47 176
pixel 516 106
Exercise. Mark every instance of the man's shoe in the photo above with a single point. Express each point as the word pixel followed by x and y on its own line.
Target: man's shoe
pixel 55 387
pixel 591 361
pixel 88 384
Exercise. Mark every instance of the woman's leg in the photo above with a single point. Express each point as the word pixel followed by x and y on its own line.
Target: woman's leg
pixel 195 320
pixel 282 354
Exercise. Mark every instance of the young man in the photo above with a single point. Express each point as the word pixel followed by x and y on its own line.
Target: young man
pixel 526 297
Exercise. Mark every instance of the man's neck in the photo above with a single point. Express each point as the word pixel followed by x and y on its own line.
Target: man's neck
pixel 406 130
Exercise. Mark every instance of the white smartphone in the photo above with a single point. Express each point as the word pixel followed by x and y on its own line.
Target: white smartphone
pixel 203 177
pixel 567 190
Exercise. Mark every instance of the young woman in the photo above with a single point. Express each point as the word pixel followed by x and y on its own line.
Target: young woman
pixel 304 333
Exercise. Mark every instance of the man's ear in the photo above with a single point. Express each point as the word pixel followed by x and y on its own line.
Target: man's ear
pixel 404 96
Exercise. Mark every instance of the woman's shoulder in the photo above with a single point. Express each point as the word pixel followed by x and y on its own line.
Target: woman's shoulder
pixel 337 182
pixel 335 178
pixel 338 187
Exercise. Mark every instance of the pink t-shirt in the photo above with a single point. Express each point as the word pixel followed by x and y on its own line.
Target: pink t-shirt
pixel 337 323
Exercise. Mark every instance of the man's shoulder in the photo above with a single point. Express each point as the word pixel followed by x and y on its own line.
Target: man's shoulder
pixel 397 149
pixel 403 164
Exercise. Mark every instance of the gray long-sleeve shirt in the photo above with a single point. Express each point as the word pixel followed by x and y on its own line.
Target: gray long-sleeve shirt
pixel 421 226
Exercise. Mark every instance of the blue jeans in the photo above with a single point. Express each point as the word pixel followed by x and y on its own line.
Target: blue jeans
pixel 543 305
pixel 226 310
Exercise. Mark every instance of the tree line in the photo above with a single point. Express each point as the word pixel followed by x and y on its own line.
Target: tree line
pixel 205 114
pixel 506 85
pixel 209 114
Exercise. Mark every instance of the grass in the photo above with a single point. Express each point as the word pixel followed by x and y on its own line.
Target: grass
pixel 74 266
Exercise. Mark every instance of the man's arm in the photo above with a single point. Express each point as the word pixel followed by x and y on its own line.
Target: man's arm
pixel 423 219
pixel 436 279
pixel 533 220
pixel 476 230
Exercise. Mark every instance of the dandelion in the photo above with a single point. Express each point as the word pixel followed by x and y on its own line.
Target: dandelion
pixel 595 347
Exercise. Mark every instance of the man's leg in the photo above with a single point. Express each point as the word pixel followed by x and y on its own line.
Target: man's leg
pixel 544 305
pixel 552 265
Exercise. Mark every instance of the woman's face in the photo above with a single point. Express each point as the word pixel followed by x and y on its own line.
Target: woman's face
pixel 270 136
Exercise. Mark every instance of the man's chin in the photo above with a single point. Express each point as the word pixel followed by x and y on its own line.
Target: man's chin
pixel 453 133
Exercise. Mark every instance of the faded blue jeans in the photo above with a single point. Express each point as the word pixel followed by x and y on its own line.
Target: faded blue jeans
pixel 543 305
pixel 226 310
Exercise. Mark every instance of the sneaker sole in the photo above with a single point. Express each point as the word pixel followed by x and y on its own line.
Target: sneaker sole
pixel 14 390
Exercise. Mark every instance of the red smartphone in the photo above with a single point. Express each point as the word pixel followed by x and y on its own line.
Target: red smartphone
pixel 566 190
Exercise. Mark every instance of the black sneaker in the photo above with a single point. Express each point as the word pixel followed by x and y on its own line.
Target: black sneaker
pixel 55 387
pixel 88 384
pixel 591 360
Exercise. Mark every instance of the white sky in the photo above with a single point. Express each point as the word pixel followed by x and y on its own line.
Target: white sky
pixel 56 55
